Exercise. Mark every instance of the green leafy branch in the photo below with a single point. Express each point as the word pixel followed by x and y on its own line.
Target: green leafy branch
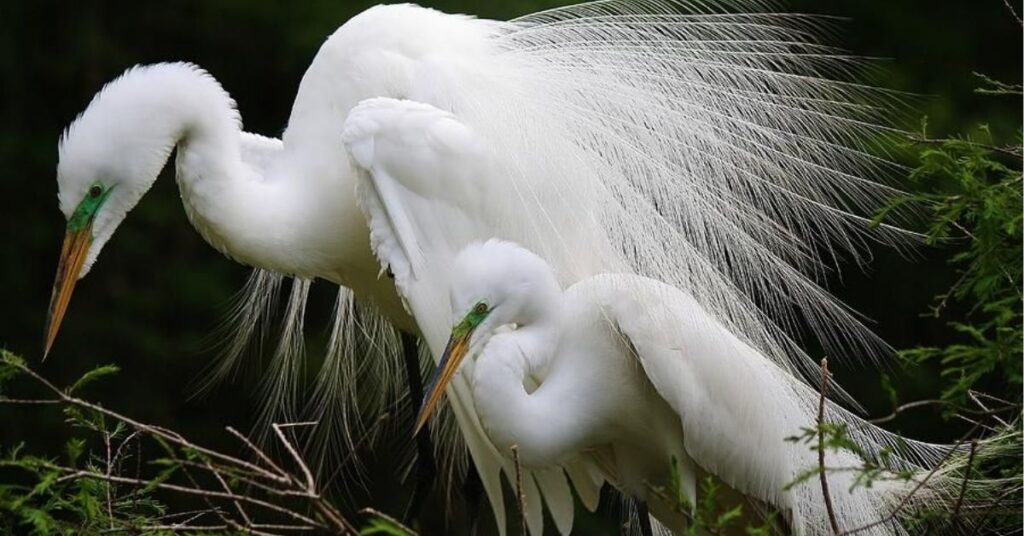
pixel 972 190
pixel 92 494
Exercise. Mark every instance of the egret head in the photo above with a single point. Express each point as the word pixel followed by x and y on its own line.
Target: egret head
pixel 494 284
pixel 108 159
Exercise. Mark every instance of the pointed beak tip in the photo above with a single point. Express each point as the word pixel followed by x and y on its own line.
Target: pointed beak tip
pixel 72 258
pixel 454 352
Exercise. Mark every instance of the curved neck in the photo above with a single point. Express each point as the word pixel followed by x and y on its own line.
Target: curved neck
pixel 218 188
pixel 511 414
pixel 237 191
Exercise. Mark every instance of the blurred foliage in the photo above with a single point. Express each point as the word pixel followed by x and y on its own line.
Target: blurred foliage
pixel 712 514
pixel 151 302
pixel 37 497
pixel 973 191
pixel 107 481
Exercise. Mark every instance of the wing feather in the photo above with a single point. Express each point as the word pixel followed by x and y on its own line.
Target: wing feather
pixel 421 172
pixel 738 408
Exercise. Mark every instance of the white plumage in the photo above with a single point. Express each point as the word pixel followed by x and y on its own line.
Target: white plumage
pixel 722 153
pixel 621 374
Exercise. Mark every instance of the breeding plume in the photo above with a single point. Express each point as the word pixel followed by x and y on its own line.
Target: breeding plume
pixel 724 153
pixel 626 373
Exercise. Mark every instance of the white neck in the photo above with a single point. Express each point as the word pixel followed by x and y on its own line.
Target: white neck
pixel 238 191
pixel 508 412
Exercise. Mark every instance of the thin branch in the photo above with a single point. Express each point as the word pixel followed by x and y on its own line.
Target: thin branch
pixel 206 528
pixel 310 483
pixel 124 442
pixel 904 407
pixel 259 452
pixel 224 485
pixel 520 495
pixel 72 473
pixel 971 393
pixel 906 498
pixel 219 465
pixel 822 474
pixel 151 429
pixel 1013 12
pixel 963 484
pixel 991 508
pixel 940 141
pixel 109 470
pixel 5 400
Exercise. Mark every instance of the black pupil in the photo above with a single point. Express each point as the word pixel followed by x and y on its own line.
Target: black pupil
pixel 95 191
pixel 481 308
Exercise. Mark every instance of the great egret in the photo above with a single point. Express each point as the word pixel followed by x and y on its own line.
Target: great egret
pixel 721 152
pixel 627 373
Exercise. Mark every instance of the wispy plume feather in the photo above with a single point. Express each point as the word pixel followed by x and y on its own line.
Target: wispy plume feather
pixel 732 155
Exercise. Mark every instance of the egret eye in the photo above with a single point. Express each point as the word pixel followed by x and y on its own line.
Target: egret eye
pixel 480 308
pixel 95 190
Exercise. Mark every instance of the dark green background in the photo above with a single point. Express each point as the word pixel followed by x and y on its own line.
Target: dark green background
pixel 156 294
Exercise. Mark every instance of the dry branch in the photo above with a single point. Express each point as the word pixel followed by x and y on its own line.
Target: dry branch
pixel 822 474
pixel 185 455
pixel 520 494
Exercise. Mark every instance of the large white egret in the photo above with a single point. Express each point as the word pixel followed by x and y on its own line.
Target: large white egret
pixel 624 373
pixel 724 153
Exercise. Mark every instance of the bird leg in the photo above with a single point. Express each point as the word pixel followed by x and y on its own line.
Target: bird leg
pixel 425 470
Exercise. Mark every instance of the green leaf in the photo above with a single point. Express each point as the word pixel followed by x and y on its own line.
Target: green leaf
pixel 74 449
pixel 93 375
pixel 380 524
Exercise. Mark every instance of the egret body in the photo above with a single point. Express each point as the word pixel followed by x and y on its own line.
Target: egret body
pixel 721 152
pixel 628 373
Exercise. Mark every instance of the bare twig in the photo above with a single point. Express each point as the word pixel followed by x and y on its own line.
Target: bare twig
pixel 822 473
pixel 940 141
pixel 109 469
pixel 259 452
pixel 145 529
pixel 71 473
pixel 991 508
pixel 224 485
pixel 43 402
pixel 220 466
pixel 963 484
pixel 904 407
pixel 147 428
pixel 520 495
pixel 906 498
pixel 1013 12
pixel 971 393
pixel 310 483
pixel 985 411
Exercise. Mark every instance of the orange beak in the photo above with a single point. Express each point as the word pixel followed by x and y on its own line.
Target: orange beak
pixel 72 256
pixel 454 352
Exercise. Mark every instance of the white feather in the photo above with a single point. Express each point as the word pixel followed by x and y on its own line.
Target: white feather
pixel 728 154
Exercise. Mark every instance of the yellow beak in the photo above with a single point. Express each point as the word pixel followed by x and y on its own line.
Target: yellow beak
pixel 72 256
pixel 454 352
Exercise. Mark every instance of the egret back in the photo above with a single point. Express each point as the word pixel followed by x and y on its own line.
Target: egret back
pixel 739 412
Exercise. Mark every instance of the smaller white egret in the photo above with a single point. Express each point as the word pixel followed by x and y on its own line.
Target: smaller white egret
pixel 630 372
